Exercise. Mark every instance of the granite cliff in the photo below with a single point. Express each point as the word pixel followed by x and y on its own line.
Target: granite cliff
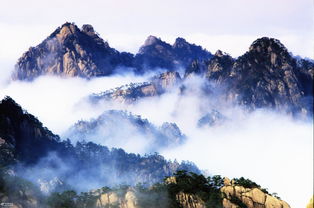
pixel 266 76
pixel 70 51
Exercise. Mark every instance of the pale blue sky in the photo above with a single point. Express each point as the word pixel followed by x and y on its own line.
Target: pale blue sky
pixel 230 25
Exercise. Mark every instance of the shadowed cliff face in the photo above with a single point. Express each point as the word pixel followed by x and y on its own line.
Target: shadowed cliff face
pixel 156 53
pixel 69 52
pixel 21 133
pixel 36 153
pixel 265 76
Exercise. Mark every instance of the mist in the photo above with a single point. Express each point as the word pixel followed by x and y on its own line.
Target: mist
pixel 271 148
pixel 55 101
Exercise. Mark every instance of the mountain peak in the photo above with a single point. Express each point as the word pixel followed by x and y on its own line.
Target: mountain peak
pixel 69 51
pixel 179 42
pixel 65 30
pixel 152 40
pixel 266 45
pixel 219 53
pixel 87 28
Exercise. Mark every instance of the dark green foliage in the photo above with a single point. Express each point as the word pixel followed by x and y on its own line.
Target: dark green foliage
pixel 19 190
pixel 238 202
pixel 247 183
pixel 66 199
pixel 156 196
pixel 85 200
pixel 208 189
pixel 153 197
pixel 25 141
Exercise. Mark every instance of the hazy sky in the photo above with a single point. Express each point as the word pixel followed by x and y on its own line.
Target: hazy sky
pixel 230 25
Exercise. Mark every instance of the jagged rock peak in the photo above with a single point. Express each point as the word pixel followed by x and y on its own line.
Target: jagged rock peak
pixel 87 28
pixel 152 40
pixel 179 42
pixel 64 31
pixel 219 53
pixel 266 45
pixel 71 29
pixel 69 51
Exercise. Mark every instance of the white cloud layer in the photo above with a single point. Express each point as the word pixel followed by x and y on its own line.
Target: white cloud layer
pixel 269 148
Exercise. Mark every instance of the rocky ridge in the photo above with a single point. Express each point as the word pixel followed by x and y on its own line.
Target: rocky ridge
pixel 104 129
pixel 156 53
pixel 69 52
pixel 267 76
pixel 248 197
pixel 232 196
pixel 130 93
pixel 73 52
pixel 27 146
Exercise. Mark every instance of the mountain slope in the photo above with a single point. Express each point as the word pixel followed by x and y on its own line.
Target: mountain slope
pixel 28 148
pixel 70 51
pixel 123 129
pixel 184 190
pixel 21 133
pixel 156 53
pixel 265 76
pixel 130 93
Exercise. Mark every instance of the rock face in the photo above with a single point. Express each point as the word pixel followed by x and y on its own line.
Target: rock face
pixel 265 76
pixel 156 53
pixel 235 196
pixel 112 199
pixel 189 201
pixel 70 51
pixel 211 119
pixel 20 133
pixel 132 92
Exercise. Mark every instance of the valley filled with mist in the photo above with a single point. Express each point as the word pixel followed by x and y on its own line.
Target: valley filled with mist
pixel 81 122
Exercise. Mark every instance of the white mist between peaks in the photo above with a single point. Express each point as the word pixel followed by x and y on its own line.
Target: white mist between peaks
pixel 56 101
pixel 270 148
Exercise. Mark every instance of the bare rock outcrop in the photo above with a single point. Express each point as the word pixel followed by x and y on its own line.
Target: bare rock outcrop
pixel 189 201
pixel 132 92
pixel 235 196
pixel 112 199
pixel 266 76
pixel 69 52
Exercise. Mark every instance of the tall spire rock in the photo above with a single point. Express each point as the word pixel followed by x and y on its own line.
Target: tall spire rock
pixel 70 51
